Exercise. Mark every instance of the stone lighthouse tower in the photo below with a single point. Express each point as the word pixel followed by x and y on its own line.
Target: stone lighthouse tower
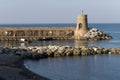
pixel 82 26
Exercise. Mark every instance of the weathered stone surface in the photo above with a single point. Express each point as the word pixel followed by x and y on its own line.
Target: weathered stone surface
pixel 50 53
pixel 76 51
pixel 68 52
pixel 61 33
pixel 95 34
pixel 114 50
pixel 57 51
pixel 57 54
pixel 84 51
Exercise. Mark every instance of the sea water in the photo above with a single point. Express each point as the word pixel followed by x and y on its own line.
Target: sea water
pixel 98 67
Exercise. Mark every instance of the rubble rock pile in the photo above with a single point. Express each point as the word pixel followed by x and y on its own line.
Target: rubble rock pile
pixel 40 52
pixel 95 34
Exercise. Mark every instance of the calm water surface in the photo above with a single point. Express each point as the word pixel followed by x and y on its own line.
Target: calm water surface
pixel 98 67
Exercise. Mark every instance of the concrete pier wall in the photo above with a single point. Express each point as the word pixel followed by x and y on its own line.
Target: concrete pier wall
pixel 36 33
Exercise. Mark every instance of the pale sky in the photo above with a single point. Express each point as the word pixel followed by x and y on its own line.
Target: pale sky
pixel 58 11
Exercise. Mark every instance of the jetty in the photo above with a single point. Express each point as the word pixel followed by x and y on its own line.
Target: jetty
pixel 43 33
pixel 36 33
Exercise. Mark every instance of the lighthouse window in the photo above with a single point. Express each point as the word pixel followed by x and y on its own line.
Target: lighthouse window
pixel 80 25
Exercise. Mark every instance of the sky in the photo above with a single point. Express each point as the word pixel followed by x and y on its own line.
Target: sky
pixel 58 11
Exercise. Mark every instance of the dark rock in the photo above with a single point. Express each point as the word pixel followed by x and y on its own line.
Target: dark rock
pixel 69 52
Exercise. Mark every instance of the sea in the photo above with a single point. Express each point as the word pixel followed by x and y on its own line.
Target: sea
pixel 94 67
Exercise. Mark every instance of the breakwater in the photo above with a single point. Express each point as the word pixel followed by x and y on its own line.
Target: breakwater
pixel 80 32
pixel 36 33
pixel 66 33
pixel 57 51
pixel 95 34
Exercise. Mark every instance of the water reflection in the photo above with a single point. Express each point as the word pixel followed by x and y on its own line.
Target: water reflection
pixel 98 67
pixel 104 43
pixel 81 43
pixel 44 43
pixel 9 43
